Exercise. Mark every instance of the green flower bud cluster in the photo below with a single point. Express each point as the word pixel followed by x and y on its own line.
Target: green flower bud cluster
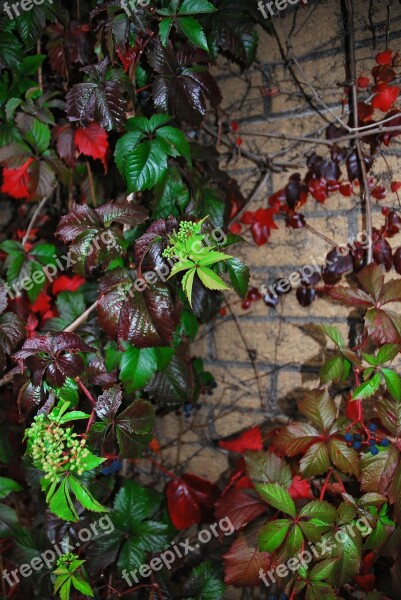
pixel 66 559
pixel 186 230
pixel 55 450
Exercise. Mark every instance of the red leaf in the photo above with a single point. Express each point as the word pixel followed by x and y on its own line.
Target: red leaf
pixel 365 111
pixel 363 82
pixel 379 192
pixel 300 489
pixel 346 189
pixel 395 186
pixel 249 440
pixel 353 410
pixel 92 141
pixel 42 303
pixel 128 56
pixel 16 181
pixel 183 509
pixel 67 284
pixel 240 506
pixel 386 98
pixel 318 189
pixel 190 500
pixel 384 58
pixel 235 228
pixel 366 582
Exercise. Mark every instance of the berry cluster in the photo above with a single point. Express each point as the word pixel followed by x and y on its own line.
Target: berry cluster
pixel 54 449
pixel 66 559
pixel 253 295
pixel 356 440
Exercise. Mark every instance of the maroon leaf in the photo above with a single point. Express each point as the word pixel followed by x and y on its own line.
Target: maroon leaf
pixel 180 89
pixel 61 360
pixel 146 319
pixel 240 506
pixel 243 561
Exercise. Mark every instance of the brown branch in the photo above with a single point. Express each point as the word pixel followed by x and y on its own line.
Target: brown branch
pixel 365 191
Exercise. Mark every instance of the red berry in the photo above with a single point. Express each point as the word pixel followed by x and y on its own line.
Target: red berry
pixel 246 304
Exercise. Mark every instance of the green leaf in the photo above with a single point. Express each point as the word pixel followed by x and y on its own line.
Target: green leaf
pixel 30 65
pixel 368 388
pixel 277 496
pixel 323 569
pixel 210 279
pixel 212 257
pixel 192 7
pixel 171 195
pixel 84 496
pixel 61 504
pixel 333 370
pixel 138 365
pixel 315 461
pixel 145 166
pixel 293 543
pixel 334 334
pixel 239 276
pixel 387 353
pixel 38 136
pixel 175 141
pixel 187 284
pixel 319 509
pixel 125 145
pixel 7 486
pixel 82 586
pixel 194 32
pixel 164 30
pixel 393 383
pixel 204 583
pixel 272 535
pixel 344 458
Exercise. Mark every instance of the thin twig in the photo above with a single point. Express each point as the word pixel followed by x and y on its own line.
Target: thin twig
pixel 33 219
pixel 255 194
pixel 249 352
pixel 321 235
pixel 81 319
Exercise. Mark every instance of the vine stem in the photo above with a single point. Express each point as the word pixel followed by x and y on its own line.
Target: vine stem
pixel 161 468
pixel 34 217
pixel 86 392
pixel 365 191
pixel 326 482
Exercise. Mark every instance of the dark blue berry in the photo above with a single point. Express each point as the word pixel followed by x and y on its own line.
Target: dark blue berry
pixel 374 450
pixel 372 442
pixel 283 596
pixel 272 597
pixel 357 437
pixel 357 445
pixel 348 437
pixel 372 427
pixel 385 442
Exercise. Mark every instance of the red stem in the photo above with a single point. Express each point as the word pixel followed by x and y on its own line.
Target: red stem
pixel 326 482
pixel 85 391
